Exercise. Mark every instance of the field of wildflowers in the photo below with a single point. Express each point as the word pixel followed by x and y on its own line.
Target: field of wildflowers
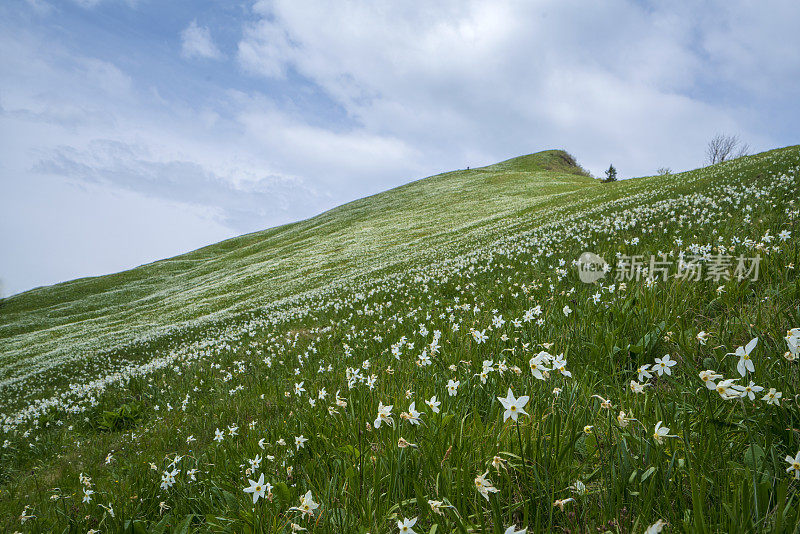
pixel 428 360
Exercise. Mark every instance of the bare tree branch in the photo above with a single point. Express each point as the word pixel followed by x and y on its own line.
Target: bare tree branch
pixel 743 151
pixel 724 147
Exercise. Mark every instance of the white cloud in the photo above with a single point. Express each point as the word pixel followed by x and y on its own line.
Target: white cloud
pixel 352 161
pixel 40 6
pixel 755 47
pixel 196 42
pixel 264 49
pixel 89 4
pixel 85 131
pixel 238 197
pixel 611 81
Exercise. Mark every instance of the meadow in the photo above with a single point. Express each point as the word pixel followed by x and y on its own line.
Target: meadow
pixel 428 360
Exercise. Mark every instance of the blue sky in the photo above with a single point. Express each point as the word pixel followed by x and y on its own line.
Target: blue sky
pixel 135 130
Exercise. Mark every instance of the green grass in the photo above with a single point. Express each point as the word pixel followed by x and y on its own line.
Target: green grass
pixel 133 364
pixel 47 329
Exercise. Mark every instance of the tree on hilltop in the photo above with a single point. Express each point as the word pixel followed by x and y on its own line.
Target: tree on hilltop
pixel 725 147
pixel 611 174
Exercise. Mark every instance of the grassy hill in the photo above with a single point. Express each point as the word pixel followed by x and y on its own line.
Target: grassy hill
pixel 47 329
pixel 466 276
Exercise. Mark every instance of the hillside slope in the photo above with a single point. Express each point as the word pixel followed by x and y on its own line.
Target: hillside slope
pixel 453 373
pixel 47 328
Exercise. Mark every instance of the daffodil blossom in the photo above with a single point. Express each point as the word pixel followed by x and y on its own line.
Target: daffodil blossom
pixel 484 485
pixel 793 341
pixel 644 373
pixel 749 390
pixel 794 465
pixel 661 432
pixel 623 420
pixel 604 403
pixel 579 488
pixel 703 336
pixel 726 389
pixel 403 443
pixel 498 462
pixel 452 387
pixel 656 527
pixel 258 488
pixel 664 365
pixel 560 365
pixel 384 415
pixel 255 462
pixel 479 336
pixel 168 478
pixel 433 404
pixel 538 368
pixel 436 506
pixel 412 415
pixel 307 504
pixel 636 387
pixel 708 377
pixel 406 525
pixel 745 364
pixel 513 406
pixel 772 397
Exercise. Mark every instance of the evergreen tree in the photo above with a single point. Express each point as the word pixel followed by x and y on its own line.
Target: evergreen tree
pixel 611 174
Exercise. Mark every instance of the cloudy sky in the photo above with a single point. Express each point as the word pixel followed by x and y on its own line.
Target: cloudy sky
pixel 135 130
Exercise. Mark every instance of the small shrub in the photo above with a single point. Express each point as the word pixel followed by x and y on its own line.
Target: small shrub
pixel 126 416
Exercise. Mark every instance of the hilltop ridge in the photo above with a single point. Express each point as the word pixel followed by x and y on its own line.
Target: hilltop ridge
pixel 557 161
